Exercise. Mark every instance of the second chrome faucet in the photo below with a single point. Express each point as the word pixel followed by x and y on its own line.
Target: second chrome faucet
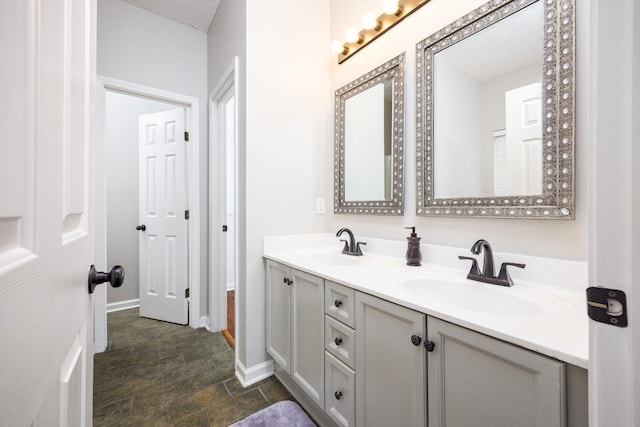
pixel 350 246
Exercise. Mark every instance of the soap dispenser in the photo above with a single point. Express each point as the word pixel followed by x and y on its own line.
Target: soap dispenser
pixel 413 248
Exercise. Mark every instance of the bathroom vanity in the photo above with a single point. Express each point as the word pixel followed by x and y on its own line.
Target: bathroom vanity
pixel 369 341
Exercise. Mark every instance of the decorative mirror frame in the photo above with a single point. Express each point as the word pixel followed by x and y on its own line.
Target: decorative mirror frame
pixel 557 199
pixel 393 69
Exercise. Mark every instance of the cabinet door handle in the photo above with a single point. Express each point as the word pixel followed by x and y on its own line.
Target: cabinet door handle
pixel 287 281
pixel 416 340
pixel 338 395
pixel 338 341
pixel 429 345
pixel 337 303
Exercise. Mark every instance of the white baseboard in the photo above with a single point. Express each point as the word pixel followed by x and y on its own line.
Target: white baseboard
pixel 254 374
pixel 231 286
pixel 205 323
pixel 123 305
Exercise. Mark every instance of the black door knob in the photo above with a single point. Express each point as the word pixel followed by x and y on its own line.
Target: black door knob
pixel 338 395
pixel 115 277
pixel 337 303
pixel 338 341
pixel 141 227
pixel 416 340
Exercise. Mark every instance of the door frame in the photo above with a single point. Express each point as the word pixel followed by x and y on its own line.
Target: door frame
pixel 192 123
pixel 217 241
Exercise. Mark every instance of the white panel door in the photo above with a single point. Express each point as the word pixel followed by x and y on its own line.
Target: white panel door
pixel 163 202
pixel 46 211
pixel 523 108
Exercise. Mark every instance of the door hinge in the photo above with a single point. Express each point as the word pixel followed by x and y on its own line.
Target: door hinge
pixel 186 293
pixel 186 136
pixel 186 214
pixel 225 228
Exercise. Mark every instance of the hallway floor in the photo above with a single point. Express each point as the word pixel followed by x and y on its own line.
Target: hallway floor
pixel 160 374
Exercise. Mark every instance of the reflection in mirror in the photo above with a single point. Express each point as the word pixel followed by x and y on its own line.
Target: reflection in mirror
pixel 486 107
pixel 369 132
pixel 495 106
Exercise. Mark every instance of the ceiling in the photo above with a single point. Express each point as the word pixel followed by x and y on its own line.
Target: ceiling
pixel 194 13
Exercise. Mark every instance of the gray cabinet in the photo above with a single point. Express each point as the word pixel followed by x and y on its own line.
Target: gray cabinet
pixel 390 369
pixel 476 380
pixel 295 327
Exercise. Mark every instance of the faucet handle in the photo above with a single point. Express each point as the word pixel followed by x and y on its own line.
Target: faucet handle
pixel 474 265
pixel 358 250
pixel 346 249
pixel 504 276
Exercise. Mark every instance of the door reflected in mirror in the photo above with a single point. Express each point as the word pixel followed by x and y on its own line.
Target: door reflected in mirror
pixel 487 110
pixel 369 142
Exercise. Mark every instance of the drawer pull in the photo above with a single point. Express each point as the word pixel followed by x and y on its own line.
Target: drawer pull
pixel 338 395
pixel 337 303
pixel 338 341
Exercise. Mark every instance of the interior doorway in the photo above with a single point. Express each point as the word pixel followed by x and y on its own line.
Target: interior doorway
pixel 227 122
pixel 223 207
pixel 108 167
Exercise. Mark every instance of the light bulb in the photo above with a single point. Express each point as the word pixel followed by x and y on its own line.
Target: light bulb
pixel 390 7
pixel 351 35
pixel 337 47
pixel 369 21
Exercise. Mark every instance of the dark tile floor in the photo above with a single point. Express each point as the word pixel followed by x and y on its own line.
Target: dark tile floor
pixel 160 374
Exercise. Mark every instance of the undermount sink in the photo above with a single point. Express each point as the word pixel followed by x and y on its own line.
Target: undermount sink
pixel 480 297
pixel 320 259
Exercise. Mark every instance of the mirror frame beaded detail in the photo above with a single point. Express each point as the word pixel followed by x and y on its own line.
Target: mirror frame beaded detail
pixel 393 69
pixel 558 80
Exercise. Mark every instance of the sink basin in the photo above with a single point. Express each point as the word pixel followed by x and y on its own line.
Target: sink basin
pixel 329 259
pixel 480 297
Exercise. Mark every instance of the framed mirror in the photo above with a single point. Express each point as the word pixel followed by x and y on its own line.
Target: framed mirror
pixel 369 142
pixel 495 113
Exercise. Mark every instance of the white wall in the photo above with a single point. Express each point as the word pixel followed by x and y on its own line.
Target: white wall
pixel 284 136
pixel 121 158
pixel 562 239
pixel 288 136
pixel 140 47
pixel 457 99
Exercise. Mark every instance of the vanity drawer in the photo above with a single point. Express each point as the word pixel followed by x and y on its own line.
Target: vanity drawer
pixel 340 388
pixel 339 340
pixel 339 302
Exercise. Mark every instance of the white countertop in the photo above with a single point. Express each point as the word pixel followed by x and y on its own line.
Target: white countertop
pixel 549 318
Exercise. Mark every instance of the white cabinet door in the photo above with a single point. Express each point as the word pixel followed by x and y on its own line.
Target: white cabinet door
pixel 390 369
pixel 475 380
pixel 46 212
pixel 295 326
pixel 307 334
pixel 278 314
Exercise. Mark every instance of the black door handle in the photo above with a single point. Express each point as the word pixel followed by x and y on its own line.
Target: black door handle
pixel 115 277
pixel 141 227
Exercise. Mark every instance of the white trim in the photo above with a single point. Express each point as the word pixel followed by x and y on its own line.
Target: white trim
pixel 123 305
pixel 254 374
pixel 105 84
pixel 217 250
pixel 205 323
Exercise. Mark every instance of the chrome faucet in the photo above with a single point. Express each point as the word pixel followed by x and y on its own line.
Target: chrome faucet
pixel 350 247
pixel 487 275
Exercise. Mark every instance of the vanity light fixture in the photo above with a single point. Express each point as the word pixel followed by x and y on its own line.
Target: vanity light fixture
pixel 394 11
